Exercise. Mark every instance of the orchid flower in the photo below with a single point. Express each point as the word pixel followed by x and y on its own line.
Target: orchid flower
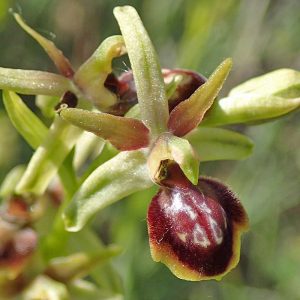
pixel 155 126
pixel 192 222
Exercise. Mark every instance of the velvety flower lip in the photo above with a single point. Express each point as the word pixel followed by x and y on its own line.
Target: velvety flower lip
pixel 195 230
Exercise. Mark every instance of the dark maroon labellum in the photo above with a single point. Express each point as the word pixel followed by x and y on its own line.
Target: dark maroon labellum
pixel 195 230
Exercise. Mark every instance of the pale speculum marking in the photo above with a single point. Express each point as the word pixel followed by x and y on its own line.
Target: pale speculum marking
pixel 182 212
pixel 200 237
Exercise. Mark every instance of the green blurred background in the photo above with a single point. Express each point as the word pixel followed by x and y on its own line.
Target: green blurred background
pixel 260 35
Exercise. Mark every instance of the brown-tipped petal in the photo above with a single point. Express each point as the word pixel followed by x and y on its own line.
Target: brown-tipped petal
pixel 61 62
pixel 188 114
pixel 123 133
pixel 196 230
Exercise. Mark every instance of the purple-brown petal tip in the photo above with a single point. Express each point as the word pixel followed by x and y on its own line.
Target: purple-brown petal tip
pixel 196 230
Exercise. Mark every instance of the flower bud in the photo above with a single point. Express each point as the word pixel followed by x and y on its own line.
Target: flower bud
pixel 257 100
pixel 195 230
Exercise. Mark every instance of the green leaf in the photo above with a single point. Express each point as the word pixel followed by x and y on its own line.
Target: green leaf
pixel 146 69
pixel 48 157
pixel 24 120
pixel 30 82
pixel 188 114
pixel 124 174
pixel 62 63
pixel 172 148
pixel 91 76
pixel 123 133
pixel 259 99
pixel 220 144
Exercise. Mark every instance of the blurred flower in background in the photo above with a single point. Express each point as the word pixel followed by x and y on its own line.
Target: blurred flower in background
pixel 261 36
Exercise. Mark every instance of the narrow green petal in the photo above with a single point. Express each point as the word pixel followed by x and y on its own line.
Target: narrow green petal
pixel 48 157
pixel 31 82
pixel 123 133
pixel 24 120
pixel 62 63
pixel 188 114
pixel 146 69
pixel 220 144
pixel 119 177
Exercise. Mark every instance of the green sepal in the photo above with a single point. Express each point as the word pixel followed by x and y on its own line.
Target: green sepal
pixel 119 177
pixel 220 144
pixel 31 82
pixel 91 76
pixel 146 70
pixel 170 148
pixel 49 156
pixel 257 100
pixel 24 120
